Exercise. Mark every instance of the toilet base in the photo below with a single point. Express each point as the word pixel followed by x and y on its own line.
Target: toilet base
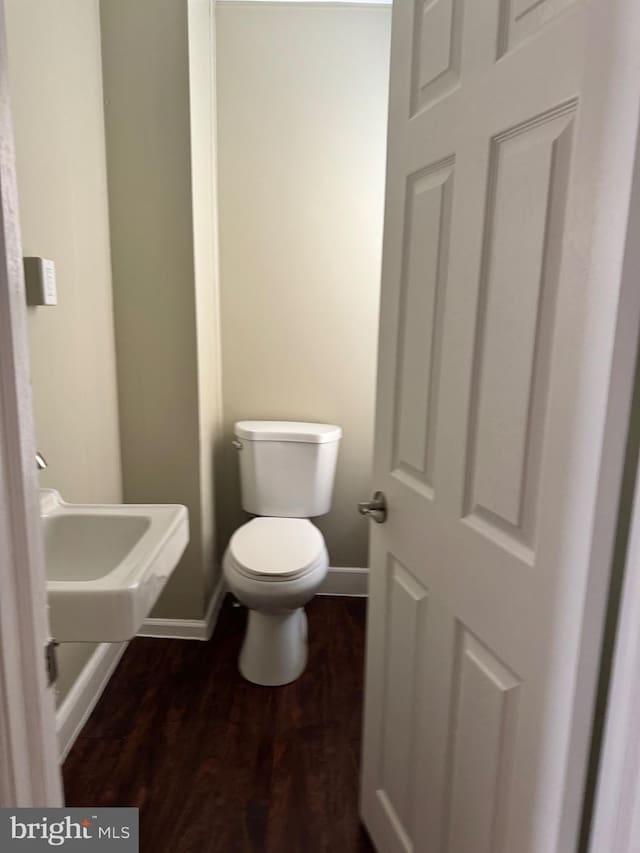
pixel 274 650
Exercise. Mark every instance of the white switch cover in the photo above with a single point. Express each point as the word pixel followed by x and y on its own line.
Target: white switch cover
pixel 40 281
pixel 49 281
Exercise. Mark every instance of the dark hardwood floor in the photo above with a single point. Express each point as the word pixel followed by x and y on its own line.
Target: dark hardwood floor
pixel 216 764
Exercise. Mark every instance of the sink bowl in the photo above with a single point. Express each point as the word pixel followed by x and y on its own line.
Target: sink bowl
pixel 107 564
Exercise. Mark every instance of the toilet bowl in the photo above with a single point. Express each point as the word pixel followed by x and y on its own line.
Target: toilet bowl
pixel 275 566
pixel 275 563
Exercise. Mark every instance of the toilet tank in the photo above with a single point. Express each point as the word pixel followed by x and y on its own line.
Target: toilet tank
pixel 287 468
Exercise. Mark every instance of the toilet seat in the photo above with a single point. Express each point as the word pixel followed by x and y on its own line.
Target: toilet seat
pixel 277 549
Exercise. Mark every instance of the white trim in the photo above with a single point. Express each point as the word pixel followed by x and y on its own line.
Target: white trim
pixel 29 772
pixel 175 629
pixel 339 581
pixel 605 160
pixel 77 706
pixel 616 817
pixel 187 629
pixel 343 580
pixel 616 821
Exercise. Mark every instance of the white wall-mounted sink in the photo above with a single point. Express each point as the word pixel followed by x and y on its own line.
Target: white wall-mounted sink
pixel 107 564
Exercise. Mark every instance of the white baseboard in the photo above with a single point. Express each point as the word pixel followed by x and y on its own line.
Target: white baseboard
pixel 187 629
pixel 345 581
pixel 80 701
pixel 339 581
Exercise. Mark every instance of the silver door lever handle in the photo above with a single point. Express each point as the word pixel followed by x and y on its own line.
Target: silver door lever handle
pixel 376 508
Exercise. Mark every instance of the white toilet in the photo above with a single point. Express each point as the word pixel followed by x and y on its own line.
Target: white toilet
pixel 275 563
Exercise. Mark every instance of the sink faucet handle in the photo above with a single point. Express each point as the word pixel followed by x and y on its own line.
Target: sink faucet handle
pixel 41 462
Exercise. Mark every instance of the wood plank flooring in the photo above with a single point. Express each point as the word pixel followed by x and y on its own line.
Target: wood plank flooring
pixel 218 765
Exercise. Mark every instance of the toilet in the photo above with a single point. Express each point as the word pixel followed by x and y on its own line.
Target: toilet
pixel 275 563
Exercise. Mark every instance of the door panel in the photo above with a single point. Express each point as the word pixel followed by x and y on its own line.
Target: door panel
pixel 520 19
pixel 485 99
pixel 485 710
pixel 407 633
pixel 438 38
pixel 420 333
pixel 528 168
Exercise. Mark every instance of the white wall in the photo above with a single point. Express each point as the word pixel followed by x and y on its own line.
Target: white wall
pixel 302 95
pixel 157 65
pixel 56 93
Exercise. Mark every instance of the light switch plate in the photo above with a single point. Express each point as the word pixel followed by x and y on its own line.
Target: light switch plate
pixel 40 281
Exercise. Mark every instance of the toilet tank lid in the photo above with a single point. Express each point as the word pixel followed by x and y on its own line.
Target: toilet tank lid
pixel 287 431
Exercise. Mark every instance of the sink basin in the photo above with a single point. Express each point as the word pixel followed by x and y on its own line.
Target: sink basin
pixel 107 564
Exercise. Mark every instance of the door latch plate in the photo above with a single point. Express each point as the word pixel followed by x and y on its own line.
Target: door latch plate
pixel 51 661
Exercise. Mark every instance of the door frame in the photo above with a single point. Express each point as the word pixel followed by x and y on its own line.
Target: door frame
pixel 29 770
pixel 610 162
pixel 615 823
pixel 616 817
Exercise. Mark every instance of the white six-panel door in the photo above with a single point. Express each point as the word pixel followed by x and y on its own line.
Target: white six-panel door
pixel 464 688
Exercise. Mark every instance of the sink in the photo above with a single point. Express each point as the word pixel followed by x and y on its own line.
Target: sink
pixel 107 564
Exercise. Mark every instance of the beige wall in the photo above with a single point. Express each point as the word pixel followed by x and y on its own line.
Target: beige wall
pixel 56 91
pixel 302 95
pixel 163 274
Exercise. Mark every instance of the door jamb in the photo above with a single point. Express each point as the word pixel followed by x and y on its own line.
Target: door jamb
pixel 29 770
pixel 615 821
pixel 610 113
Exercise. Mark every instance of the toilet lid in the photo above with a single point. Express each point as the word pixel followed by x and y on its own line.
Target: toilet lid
pixel 277 547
